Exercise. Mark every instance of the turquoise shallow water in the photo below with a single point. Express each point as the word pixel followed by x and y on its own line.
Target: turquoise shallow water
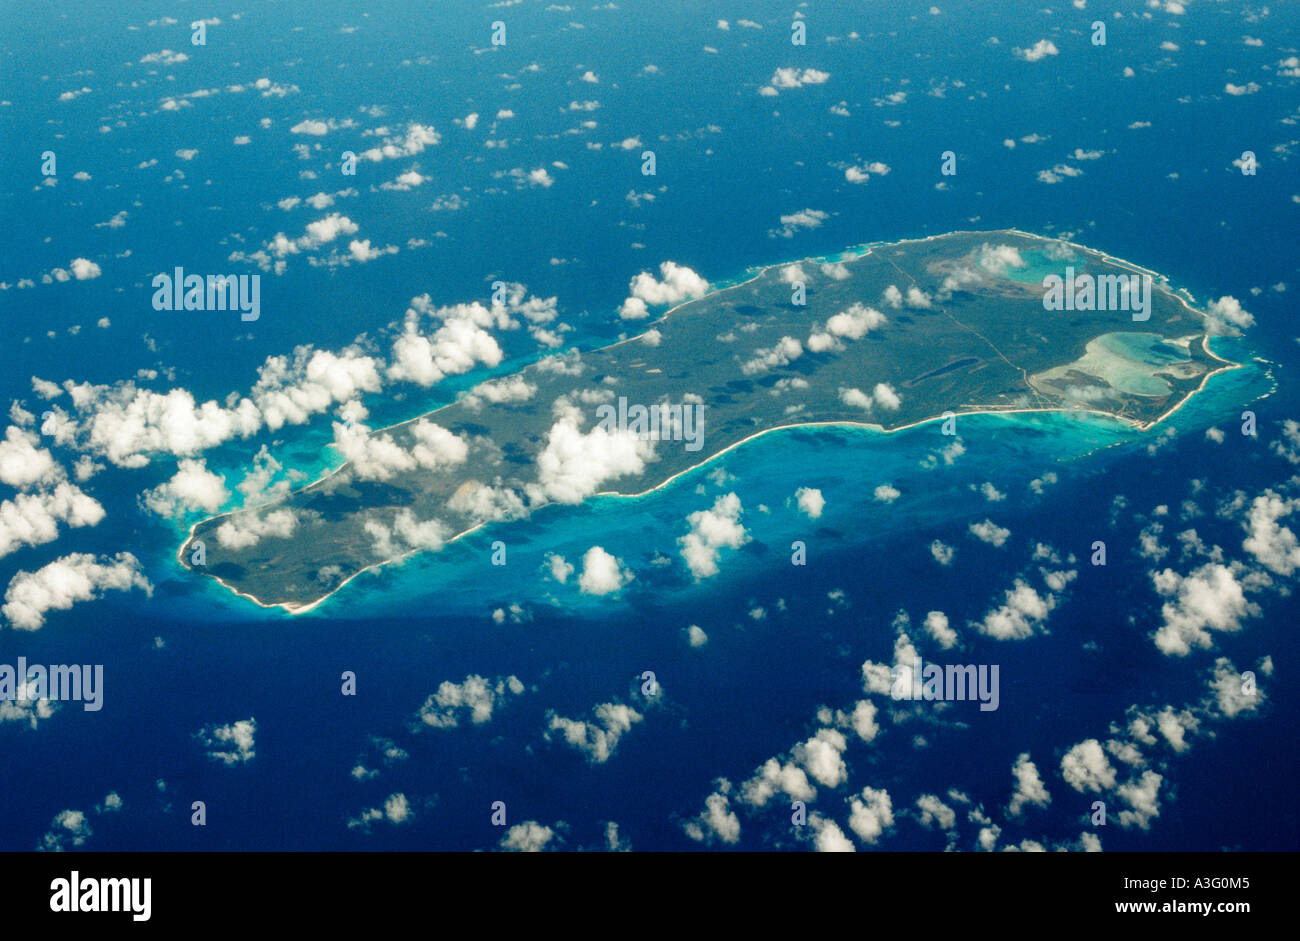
pixel 1039 265
pixel 1122 358
pixel 732 162
pixel 846 463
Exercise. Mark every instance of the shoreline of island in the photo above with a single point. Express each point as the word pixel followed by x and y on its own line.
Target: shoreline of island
pixel 862 250
pixel 294 608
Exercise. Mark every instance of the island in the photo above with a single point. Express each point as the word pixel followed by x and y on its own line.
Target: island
pixel 886 335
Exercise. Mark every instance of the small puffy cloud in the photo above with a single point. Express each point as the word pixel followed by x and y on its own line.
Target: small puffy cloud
pixel 1174 725
pixel 598 739
pixel 1038 484
pixel 62 583
pixel 774 777
pixel 852 323
pixel 915 297
pixel 996 259
pixel 230 744
pixel 474 699
pixel 779 354
pixel 1210 598
pixel 1231 693
pixel 822 756
pixel 164 57
pixel 455 347
pixel 193 487
pixel 1142 797
pixel 803 219
pixel 942 552
pixel 810 501
pixel 484 503
pixel 863 720
pixel 1023 611
pixel 855 398
pixel 415 139
pixel 788 78
pixel 885 397
pixel 573 465
pixel 23 463
pixel 527 837
pixel 1039 50
pixel 871 814
pixel 856 174
pixel 827 835
pixel 371 456
pixel 633 308
pixel 675 284
pixel 361 251
pixel 1274 546
pixel 245 530
pixel 711 531
pixel 405 181
pixel 1085 767
pixel 31 519
pixel 882 396
pixel 1225 317
pixel 1238 90
pixel 991 493
pixel 326 230
pixel 560 569
pixel 26 706
pixel 717 822
pixel 70 828
pixel 935 812
pixel 695 636
pixel 396 810
pixel 602 574
pixel 936 625
pixel 1288 447
pixel 83 269
pixel 1029 786
pixel 989 532
pixel 310 128
pixel 435 447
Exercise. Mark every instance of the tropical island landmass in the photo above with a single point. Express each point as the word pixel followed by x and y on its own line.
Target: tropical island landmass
pixel 891 335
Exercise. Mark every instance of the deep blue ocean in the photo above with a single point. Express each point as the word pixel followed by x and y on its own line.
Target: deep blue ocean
pixel 730 162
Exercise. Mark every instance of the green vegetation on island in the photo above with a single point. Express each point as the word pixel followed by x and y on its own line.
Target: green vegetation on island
pixel 895 335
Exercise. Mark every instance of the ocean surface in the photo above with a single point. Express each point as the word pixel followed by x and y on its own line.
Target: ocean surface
pixel 782 641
